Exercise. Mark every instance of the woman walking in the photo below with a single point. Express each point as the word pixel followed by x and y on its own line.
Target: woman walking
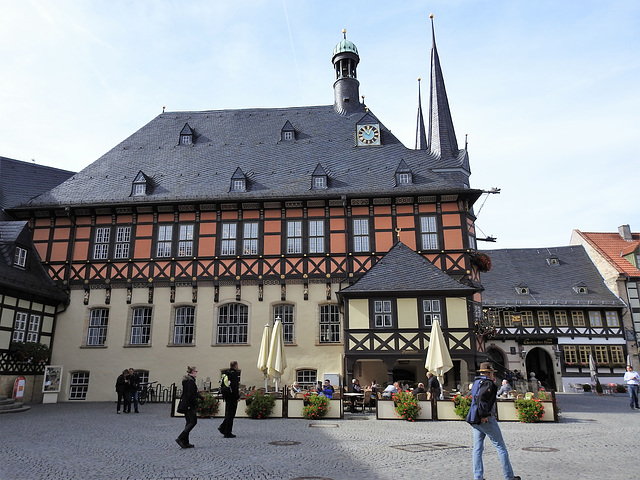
pixel 188 405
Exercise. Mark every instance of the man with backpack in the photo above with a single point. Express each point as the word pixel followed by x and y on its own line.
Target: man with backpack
pixel 229 387
pixel 482 418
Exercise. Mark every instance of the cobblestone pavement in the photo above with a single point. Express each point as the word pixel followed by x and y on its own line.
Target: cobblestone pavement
pixel 596 438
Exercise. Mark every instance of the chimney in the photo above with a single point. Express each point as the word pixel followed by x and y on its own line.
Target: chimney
pixel 625 232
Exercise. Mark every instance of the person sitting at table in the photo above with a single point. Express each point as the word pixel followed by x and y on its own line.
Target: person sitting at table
pixel 355 386
pixel 504 389
pixel 295 388
pixel 318 388
pixel 390 390
pixel 419 389
pixel 326 390
pixel 374 386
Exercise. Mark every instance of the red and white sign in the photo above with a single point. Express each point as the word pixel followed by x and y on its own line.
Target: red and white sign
pixel 18 387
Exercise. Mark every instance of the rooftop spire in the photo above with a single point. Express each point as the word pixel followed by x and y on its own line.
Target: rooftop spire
pixel 421 135
pixel 442 137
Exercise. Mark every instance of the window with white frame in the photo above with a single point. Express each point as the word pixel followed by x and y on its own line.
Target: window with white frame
pixel 185 139
pixel 165 237
pixel 404 178
pixel 361 234
pixel 123 239
pixel 382 315
pixel 612 318
pixel 429 232
pixel 319 182
pixel 185 242
pixel 560 317
pixel 101 243
pixel 20 327
pixel 184 325
pixel 330 325
pixel 229 236
pixel 139 189
pixel 286 315
pixel 595 319
pixel 20 257
pixel 33 332
pixel 287 135
pixel 601 353
pixel 250 238
pixel 307 378
pixel 431 311
pixel 79 385
pixel 294 236
pixel 316 236
pixel 233 324
pixel 98 322
pixel 140 326
pixel 544 319
pixel 238 185
pixel 577 318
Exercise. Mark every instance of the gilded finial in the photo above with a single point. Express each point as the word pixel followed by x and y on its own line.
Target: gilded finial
pixel 431 16
pixel 344 32
pixel 398 230
pixel 419 79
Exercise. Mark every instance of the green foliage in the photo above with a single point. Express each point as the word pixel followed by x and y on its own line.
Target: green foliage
pixel 586 387
pixel 315 407
pixel 544 395
pixel 462 405
pixel 30 352
pixel 208 406
pixel 406 405
pixel 621 389
pixel 259 405
pixel 529 411
pixel 598 387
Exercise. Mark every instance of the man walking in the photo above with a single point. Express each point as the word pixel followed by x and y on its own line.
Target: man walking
pixel 134 386
pixel 632 379
pixel 482 418
pixel 231 397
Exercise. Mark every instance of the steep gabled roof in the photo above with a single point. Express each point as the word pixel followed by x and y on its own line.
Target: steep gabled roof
pixel 549 285
pixel 612 246
pixel 403 271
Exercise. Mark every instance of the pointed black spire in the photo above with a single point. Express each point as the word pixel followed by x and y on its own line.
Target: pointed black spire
pixel 442 137
pixel 421 135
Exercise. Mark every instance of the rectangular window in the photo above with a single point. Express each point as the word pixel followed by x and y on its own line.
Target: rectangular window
pixel 141 326
pixel 561 318
pixel 101 243
pixel 233 322
pixel 228 246
pixel 319 182
pixel 570 355
pixel 307 378
pixel 250 238
pixel 430 312
pixel 509 317
pixel 404 178
pixel 361 235
pixel 33 334
pixel 382 313
pixel 330 324
pixel 139 189
pixel 165 237
pixel 612 319
pixel 183 326
pixel 287 135
pixel 294 237
pixel 123 239
pixel 494 317
pixel 79 386
pixel 185 242
pixel 617 354
pixel 577 317
pixel 429 231
pixel 98 321
pixel 316 236
pixel 20 257
pixel 602 356
pixel 527 318
pixel 584 354
pixel 544 319
pixel 285 314
pixel 595 319
pixel 20 327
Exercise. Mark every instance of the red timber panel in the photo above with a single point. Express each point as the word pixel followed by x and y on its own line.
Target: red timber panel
pixel 144 231
pixel 141 270
pixel 315 212
pixel 42 222
pixel 61 233
pixel 272 213
pixel 230 215
pixel 450 207
pixel 250 266
pixel 42 249
pixel 80 251
pixel 103 219
pixel 272 226
pixel 77 272
pixel 145 218
pixel 187 217
pixel 206 246
pixel 380 211
pixel 359 211
pixel 41 234
pixel 227 268
pixel 384 241
pixel 272 237
pixel 294 213
pixel 338 244
pixel 83 233
pixel 382 222
pixel 471 226
pixel 183 269
pixel 294 266
pixel 98 271
pixel 56 272
pixel 165 217
pixel 427 208
pixel 362 264
pixel 406 222
pixel 453 239
pixel 119 271
pixel 124 219
pixel 404 209
pixel 207 228
pixel 454 261
pixel 450 220
pixel 162 270
pixel 251 214
pixel 142 248
pixel 316 266
pixel 63 221
pixel 59 252
pixel 337 265
pixel 205 269
pixel 271 267
pixel 409 239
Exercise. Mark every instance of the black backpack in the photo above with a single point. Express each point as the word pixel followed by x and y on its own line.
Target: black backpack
pixel 225 384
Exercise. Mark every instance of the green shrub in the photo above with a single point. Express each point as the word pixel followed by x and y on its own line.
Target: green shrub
pixel 208 406
pixel 259 405
pixel 31 352
pixel 462 405
pixel 315 406
pixel 529 411
pixel 586 387
pixel 406 405
pixel 621 389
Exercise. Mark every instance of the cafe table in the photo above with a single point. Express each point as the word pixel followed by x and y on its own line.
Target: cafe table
pixel 352 398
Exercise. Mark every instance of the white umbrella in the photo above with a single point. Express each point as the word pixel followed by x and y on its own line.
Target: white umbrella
pixel 263 356
pixel 593 370
pixel 276 363
pixel 438 357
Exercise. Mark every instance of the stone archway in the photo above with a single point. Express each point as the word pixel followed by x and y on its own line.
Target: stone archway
pixel 540 362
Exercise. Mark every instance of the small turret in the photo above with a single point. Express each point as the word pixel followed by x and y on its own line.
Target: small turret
pixel 346 88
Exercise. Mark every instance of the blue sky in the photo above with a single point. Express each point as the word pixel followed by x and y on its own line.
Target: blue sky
pixel 547 91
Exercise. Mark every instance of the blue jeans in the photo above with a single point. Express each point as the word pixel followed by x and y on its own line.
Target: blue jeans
pixel 491 429
pixel 633 395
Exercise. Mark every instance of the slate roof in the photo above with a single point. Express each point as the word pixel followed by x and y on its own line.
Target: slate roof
pixel 612 246
pixel 402 270
pixel 31 280
pixel 549 285
pixel 21 181
pixel 225 140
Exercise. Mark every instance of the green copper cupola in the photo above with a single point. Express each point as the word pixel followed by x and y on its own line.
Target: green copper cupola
pixel 346 88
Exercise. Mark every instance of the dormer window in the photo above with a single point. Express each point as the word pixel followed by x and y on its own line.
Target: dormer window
pixel 553 260
pixel 20 257
pixel 238 181
pixel 140 185
pixel 580 288
pixel 319 178
pixel 288 133
pixel 404 179
pixel 186 135
pixel 403 174
pixel 139 189
pixel 522 290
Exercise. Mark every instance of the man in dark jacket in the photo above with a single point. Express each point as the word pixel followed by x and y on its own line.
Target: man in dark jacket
pixel 134 387
pixel 231 401
pixel 482 418
pixel 433 385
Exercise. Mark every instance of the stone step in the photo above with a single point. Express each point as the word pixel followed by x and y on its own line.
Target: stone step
pixel 9 405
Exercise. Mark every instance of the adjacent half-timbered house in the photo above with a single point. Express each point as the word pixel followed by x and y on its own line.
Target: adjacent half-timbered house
pixel 179 244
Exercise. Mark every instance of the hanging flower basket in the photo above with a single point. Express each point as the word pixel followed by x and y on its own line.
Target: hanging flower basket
pixel 482 261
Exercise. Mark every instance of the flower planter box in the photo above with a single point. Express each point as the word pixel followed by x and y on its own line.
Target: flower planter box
pixel 507 411
pixel 294 408
pixel 242 405
pixel 385 410
pixel 445 410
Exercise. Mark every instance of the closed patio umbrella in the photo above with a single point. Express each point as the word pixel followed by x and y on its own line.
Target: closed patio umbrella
pixel 277 362
pixel 593 370
pixel 438 358
pixel 263 356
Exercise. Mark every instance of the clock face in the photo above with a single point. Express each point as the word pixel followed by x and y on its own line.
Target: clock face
pixel 368 135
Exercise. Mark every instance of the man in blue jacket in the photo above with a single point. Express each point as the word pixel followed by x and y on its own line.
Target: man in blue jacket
pixel 482 418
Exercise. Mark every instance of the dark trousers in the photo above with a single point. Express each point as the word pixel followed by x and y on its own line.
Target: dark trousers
pixel 229 413
pixel 124 399
pixel 134 399
pixel 191 419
